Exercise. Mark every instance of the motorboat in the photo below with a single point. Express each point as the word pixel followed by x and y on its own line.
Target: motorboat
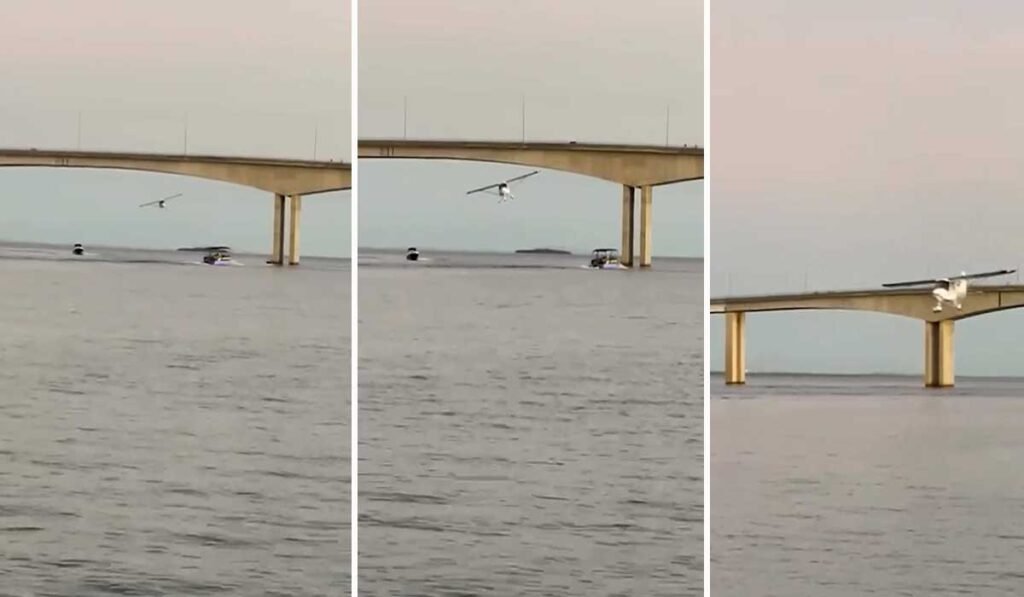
pixel 412 254
pixel 605 259
pixel 78 249
pixel 219 256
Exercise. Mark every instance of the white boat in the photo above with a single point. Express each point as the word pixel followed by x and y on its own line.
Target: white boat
pixel 605 259
pixel 219 256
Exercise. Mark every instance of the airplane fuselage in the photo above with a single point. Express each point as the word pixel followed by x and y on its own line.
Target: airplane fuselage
pixel 953 294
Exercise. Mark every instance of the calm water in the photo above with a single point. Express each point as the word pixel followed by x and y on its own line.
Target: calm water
pixel 866 486
pixel 528 427
pixel 172 429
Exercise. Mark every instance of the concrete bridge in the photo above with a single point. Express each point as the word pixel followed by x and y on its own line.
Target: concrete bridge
pixel 915 303
pixel 286 179
pixel 632 166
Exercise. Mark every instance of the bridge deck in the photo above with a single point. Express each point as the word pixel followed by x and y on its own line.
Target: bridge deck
pixel 917 303
pixel 628 165
pixel 539 145
pixel 276 175
pixel 170 157
pixel 857 293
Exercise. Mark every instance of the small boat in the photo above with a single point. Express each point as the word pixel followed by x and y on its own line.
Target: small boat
pixel 78 249
pixel 605 259
pixel 412 254
pixel 220 256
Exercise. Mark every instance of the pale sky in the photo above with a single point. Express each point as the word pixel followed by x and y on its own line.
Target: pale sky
pixel 589 71
pixel 249 78
pixel 856 144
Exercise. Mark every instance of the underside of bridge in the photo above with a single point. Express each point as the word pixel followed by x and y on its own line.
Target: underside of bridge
pixel 938 351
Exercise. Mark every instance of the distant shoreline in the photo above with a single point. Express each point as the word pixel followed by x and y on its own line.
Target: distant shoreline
pixel 544 251
pixel 204 249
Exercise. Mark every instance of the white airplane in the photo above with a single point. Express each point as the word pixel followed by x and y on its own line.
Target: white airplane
pixel 160 202
pixel 503 191
pixel 951 290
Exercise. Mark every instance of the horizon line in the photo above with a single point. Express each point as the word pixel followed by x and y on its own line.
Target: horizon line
pixel 503 251
pixel 862 374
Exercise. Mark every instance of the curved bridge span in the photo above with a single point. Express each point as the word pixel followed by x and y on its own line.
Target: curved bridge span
pixel 286 179
pixel 280 176
pixel 632 166
pixel 914 303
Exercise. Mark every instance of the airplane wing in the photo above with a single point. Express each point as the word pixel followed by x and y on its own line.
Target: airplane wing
pixel 915 283
pixel 159 200
pixel 992 274
pixel 521 177
pixel 490 186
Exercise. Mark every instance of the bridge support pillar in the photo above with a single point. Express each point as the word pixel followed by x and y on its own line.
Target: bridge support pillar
pixel 735 348
pixel 277 250
pixel 938 354
pixel 628 209
pixel 295 202
pixel 646 196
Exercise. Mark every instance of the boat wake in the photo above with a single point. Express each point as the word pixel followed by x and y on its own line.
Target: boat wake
pixel 227 264
pixel 617 266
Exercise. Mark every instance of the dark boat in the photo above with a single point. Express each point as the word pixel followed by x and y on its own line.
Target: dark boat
pixel 412 254
pixel 218 256
pixel 78 250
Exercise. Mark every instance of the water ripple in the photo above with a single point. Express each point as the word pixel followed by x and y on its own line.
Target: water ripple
pixel 178 434
pixel 531 432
